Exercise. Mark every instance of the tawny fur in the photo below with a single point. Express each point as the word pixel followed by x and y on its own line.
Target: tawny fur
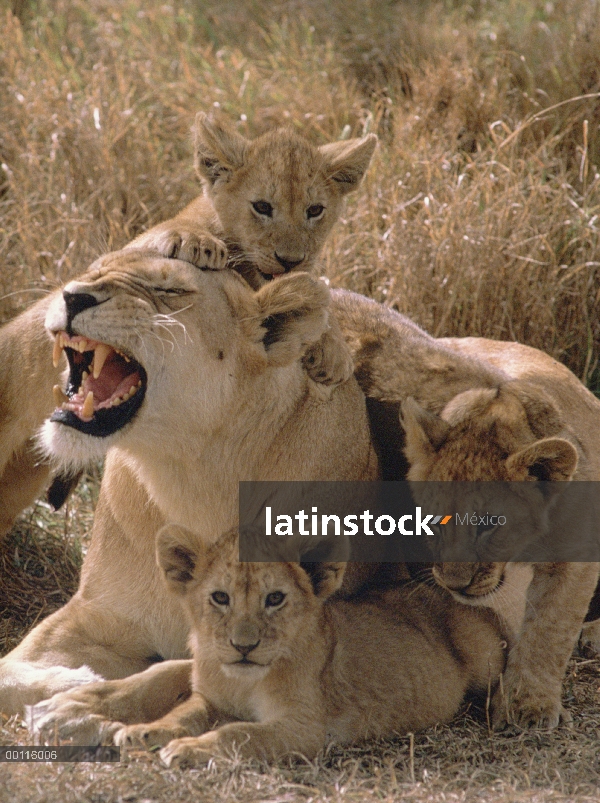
pixel 220 407
pixel 218 229
pixel 301 188
pixel 537 415
pixel 316 668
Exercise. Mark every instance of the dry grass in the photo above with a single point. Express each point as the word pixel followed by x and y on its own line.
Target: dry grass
pixel 481 215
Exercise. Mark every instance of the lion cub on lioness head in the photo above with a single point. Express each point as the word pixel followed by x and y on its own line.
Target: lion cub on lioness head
pixel 282 665
pixel 267 208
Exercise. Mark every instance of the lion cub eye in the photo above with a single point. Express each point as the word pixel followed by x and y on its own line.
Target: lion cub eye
pixel 263 208
pixel 316 210
pixel 220 598
pixel 274 599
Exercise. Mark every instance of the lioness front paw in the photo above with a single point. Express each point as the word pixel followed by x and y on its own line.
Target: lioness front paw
pixel 148 735
pixel 328 361
pixel 70 716
pixel 201 249
pixel 527 708
pixel 192 751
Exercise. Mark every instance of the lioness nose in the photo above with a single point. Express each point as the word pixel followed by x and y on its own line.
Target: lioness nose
pixel 288 263
pixel 245 649
pixel 76 303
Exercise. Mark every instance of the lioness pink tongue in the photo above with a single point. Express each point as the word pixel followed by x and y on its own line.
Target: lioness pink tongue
pixel 116 382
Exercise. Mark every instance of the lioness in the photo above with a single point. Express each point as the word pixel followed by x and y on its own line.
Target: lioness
pixel 281 666
pixel 267 207
pixel 539 423
pixel 191 382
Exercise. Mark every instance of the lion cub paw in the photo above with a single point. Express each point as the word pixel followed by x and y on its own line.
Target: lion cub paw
pixel 589 640
pixel 192 751
pixel 527 709
pixel 201 249
pixel 147 735
pixel 328 361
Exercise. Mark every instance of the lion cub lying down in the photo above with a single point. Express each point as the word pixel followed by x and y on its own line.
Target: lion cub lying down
pixel 282 666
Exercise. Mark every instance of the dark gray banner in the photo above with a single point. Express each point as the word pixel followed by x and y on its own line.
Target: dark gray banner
pixel 420 521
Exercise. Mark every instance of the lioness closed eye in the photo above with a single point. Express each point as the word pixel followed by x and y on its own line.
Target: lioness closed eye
pixel 282 667
pixel 267 208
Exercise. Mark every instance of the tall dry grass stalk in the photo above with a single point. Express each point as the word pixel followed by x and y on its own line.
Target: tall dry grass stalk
pixel 480 215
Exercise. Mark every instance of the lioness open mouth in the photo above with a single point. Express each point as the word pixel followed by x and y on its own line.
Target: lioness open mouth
pixel 105 388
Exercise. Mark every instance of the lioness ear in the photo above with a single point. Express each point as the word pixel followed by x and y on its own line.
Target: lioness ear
pixel 176 554
pixel 551 459
pixel 293 312
pixel 347 161
pixel 425 431
pixel 217 150
pixel 326 578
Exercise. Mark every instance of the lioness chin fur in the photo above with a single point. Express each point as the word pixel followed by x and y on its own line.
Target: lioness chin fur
pixel 281 666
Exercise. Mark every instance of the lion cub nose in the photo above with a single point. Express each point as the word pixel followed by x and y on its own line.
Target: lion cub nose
pixel 245 638
pixel 245 649
pixel 288 263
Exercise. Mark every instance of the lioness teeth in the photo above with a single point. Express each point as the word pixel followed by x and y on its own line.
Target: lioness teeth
pixel 87 411
pixel 59 396
pixel 57 350
pixel 101 352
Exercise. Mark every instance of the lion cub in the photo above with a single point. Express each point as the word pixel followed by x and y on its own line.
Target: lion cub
pixel 267 208
pixel 282 665
pixel 539 427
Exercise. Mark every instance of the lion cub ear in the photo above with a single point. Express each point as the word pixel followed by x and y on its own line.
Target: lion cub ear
pixel 347 161
pixel 425 431
pixel 550 459
pixel 217 150
pixel 177 556
pixel 293 313
pixel 325 578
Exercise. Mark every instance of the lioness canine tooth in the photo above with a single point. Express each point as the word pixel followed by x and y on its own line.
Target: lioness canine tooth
pixel 87 411
pixel 101 352
pixel 59 396
pixel 56 351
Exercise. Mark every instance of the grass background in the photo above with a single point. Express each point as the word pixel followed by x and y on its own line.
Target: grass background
pixel 480 216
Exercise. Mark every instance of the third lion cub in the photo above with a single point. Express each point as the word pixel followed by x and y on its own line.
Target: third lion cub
pixel 267 208
pixel 281 666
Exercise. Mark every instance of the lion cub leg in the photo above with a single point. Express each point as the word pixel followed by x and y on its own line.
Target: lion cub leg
pixel 191 718
pixel 531 688
pixel 329 361
pixel 189 236
pixel 93 712
pixel 267 741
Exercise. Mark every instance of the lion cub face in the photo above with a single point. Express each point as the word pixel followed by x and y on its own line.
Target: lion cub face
pixel 277 196
pixel 487 436
pixel 247 619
